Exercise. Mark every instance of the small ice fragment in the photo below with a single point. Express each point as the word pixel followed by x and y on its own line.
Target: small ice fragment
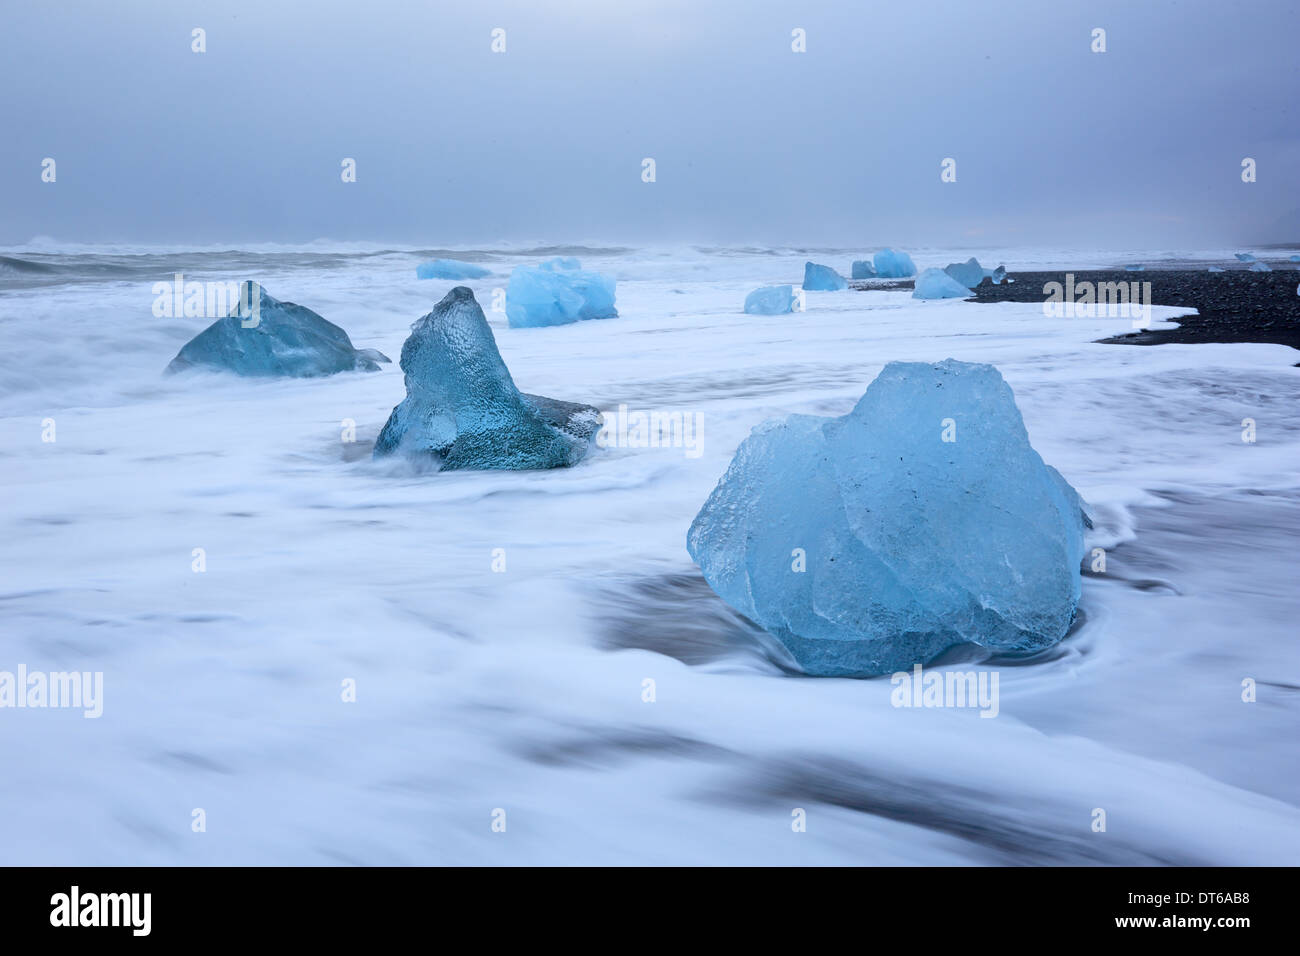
pixel 937 284
pixel 1215 269
pixel 863 269
pixel 1260 267
pixel 1245 257
pixel 1135 268
pixel 770 300
pixel 450 269
pixel 819 278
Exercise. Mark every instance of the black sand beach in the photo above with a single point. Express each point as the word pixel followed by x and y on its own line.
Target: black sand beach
pixel 1236 305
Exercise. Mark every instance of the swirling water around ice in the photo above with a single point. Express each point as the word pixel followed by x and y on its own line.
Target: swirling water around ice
pixel 522 689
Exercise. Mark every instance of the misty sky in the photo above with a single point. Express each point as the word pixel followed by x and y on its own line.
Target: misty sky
pixel 841 145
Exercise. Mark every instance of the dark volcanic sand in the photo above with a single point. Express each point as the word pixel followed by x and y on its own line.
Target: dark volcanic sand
pixel 1233 306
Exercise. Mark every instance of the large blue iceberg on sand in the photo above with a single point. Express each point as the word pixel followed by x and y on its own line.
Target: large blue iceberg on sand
pixel 893 265
pixel 939 284
pixel 770 300
pixel 819 278
pixel 450 269
pixel 263 337
pixel 462 409
pixel 556 293
pixel 921 520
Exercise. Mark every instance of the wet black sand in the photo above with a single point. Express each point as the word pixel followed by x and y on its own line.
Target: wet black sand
pixel 1233 306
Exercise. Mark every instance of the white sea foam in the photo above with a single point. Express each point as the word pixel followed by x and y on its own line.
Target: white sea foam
pixel 480 689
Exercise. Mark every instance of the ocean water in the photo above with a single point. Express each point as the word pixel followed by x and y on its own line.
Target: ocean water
pixel 518 694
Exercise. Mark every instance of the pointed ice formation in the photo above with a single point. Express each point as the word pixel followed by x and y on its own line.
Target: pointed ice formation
pixel 264 337
pixel 462 409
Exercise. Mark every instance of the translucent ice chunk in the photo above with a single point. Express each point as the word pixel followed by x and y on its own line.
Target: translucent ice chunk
pixel 893 265
pixel 921 520
pixel 969 273
pixel 462 409
pixel 770 300
pixel 546 296
pixel 938 284
pixel 450 269
pixel 274 339
pixel 819 278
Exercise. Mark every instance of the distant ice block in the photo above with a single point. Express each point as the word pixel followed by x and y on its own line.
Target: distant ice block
pixel 921 520
pixel 557 296
pixel 770 300
pixel 1215 269
pixel 450 269
pixel 893 265
pixel 998 275
pixel 863 269
pixel 969 273
pixel 560 264
pixel 462 409
pixel 1245 257
pixel 938 284
pixel 1135 268
pixel 819 278
pixel 1295 258
pixel 275 339
pixel 1259 267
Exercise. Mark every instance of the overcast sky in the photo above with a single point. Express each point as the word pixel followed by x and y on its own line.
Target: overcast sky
pixel 841 145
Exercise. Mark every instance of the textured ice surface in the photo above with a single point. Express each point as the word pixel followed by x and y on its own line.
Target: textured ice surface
pixel 276 339
pixel 450 269
pixel 1260 267
pixel 910 543
pixel 770 300
pixel 969 273
pixel 819 278
pixel 555 294
pixel 462 408
pixel 863 269
pixel 938 284
pixel 1245 256
pixel 893 265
